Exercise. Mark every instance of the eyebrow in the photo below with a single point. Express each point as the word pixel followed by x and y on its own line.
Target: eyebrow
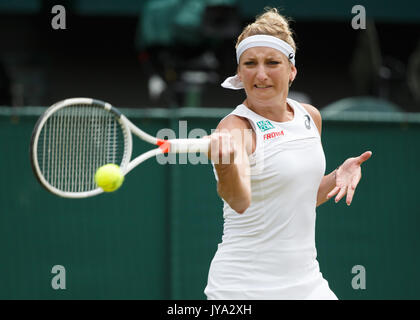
pixel 265 58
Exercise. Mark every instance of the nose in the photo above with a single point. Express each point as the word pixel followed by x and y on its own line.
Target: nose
pixel 261 73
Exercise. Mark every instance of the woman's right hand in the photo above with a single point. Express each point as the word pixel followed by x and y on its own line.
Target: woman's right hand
pixel 222 148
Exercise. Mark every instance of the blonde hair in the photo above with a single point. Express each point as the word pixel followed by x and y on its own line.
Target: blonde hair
pixel 269 23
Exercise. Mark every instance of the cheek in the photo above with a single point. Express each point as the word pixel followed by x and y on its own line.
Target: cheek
pixel 245 76
pixel 281 76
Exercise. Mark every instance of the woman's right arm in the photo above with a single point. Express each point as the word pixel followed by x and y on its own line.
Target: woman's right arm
pixel 230 146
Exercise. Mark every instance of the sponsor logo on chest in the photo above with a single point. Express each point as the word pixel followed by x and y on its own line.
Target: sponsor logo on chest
pixel 273 135
pixel 266 125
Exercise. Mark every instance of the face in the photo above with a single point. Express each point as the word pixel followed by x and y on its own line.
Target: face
pixel 265 73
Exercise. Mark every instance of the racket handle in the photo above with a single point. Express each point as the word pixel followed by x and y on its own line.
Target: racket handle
pixel 189 145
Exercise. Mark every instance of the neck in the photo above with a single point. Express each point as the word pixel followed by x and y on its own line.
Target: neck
pixel 278 111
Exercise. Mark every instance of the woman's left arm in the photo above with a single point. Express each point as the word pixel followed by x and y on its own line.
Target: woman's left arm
pixel 342 180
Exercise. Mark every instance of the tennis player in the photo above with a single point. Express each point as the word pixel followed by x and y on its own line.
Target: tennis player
pixel 271 180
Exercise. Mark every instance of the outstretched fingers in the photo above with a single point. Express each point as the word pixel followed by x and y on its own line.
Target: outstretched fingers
pixel 364 156
pixel 341 194
pixel 333 192
pixel 352 189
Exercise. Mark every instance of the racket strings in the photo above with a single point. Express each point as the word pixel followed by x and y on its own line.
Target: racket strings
pixel 74 142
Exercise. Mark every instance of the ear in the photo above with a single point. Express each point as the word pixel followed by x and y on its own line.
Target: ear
pixel 238 73
pixel 293 73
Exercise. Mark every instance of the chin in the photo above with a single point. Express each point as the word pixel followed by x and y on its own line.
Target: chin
pixel 266 94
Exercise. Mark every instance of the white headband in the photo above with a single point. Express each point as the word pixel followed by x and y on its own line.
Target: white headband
pixel 258 41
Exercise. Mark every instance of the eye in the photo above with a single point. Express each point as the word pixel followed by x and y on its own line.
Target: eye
pixel 273 62
pixel 249 63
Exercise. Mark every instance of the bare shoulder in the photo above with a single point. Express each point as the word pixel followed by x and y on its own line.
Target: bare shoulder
pixel 315 114
pixel 234 122
pixel 241 130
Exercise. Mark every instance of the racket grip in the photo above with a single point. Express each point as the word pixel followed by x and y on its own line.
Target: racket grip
pixel 189 145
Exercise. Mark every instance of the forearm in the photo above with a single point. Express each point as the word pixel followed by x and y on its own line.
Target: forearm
pixel 234 186
pixel 327 184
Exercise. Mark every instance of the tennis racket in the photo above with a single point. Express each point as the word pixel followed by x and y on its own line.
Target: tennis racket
pixel 75 137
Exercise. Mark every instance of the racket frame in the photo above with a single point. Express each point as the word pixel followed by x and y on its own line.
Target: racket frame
pixel 164 146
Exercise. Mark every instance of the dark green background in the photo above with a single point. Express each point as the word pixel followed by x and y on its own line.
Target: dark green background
pixel 381 10
pixel 155 237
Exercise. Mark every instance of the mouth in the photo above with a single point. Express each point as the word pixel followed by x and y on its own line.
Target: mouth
pixel 261 86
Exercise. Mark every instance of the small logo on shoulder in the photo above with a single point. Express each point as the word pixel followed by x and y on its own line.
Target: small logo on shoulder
pixel 307 122
pixel 264 125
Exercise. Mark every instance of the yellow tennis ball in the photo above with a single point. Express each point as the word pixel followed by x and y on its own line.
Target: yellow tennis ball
pixel 109 177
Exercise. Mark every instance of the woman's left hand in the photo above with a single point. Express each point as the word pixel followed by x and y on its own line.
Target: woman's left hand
pixel 347 177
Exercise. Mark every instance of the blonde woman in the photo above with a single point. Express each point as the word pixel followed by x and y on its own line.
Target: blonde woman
pixel 271 177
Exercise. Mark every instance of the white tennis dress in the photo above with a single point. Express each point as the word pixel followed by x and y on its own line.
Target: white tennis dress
pixel 268 252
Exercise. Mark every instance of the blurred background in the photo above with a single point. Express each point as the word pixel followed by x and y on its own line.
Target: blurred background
pixel 162 61
pixel 163 53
